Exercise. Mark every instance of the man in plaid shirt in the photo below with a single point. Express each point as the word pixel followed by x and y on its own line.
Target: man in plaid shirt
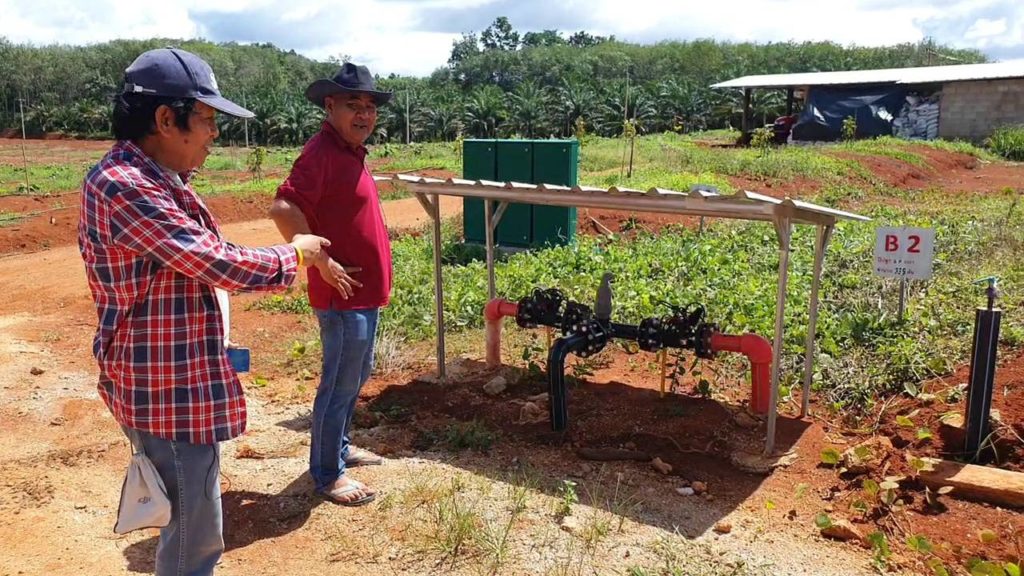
pixel 154 256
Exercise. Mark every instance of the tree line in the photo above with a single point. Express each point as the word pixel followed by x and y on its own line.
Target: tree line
pixel 496 83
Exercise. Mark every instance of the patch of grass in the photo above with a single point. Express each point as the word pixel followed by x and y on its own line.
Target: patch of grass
pixel 416 157
pixel 472 435
pixel 207 186
pixel 10 218
pixel 676 556
pixel 458 436
pixel 394 192
pixel 659 157
pixel 391 352
pixel 44 178
pixel 292 301
pixel 455 521
pixel 1008 142
pixel 886 146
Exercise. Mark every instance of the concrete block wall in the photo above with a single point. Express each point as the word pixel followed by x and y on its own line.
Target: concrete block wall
pixel 973 110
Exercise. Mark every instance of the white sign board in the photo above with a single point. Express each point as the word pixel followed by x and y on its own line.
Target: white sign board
pixel 904 252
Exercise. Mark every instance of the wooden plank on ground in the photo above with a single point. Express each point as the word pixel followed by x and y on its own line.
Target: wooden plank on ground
pixel 982 483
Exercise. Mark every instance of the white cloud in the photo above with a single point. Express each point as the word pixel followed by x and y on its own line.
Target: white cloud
pixel 85 22
pixel 985 28
pixel 415 37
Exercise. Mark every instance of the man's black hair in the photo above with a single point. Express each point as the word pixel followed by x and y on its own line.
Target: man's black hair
pixel 134 115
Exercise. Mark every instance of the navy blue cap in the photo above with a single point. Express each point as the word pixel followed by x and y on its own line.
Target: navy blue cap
pixel 177 73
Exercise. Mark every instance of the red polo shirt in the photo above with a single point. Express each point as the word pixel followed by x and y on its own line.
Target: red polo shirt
pixel 329 182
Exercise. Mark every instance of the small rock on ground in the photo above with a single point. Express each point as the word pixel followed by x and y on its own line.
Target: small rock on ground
pixel 496 386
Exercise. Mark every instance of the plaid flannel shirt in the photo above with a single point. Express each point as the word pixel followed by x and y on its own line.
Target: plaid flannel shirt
pixel 153 255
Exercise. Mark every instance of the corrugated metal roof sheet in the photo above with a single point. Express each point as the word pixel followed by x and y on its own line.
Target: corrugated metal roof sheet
pixel 698 201
pixel 922 75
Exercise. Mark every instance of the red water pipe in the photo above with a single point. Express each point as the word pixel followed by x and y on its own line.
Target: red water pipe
pixel 494 311
pixel 759 352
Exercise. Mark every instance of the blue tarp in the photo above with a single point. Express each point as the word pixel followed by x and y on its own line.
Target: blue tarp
pixel 873 107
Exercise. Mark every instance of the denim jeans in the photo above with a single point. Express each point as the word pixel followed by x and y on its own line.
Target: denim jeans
pixel 347 337
pixel 191 545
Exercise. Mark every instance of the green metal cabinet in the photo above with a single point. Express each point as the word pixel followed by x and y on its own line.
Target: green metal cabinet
pixel 479 162
pixel 528 161
pixel 515 164
pixel 554 162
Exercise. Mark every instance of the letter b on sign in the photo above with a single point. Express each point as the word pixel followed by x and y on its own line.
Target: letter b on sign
pixel 892 243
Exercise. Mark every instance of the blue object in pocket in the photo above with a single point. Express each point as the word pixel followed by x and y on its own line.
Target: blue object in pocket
pixel 239 358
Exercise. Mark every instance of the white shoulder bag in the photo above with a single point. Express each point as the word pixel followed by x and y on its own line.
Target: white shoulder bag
pixel 144 502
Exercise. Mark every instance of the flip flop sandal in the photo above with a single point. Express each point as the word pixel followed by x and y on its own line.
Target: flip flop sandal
pixel 337 495
pixel 361 457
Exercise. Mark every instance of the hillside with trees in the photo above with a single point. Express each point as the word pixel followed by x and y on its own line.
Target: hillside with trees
pixel 499 82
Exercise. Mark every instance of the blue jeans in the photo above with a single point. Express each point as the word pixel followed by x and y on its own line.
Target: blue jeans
pixel 347 337
pixel 191 545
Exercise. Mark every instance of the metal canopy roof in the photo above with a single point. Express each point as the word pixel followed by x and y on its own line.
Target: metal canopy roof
pixel 743 205
pixel 920 75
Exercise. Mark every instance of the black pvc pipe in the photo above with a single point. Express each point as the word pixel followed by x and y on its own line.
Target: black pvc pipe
pixel 625 331
pixel 556 378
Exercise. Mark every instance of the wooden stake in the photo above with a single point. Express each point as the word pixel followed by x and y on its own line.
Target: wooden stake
pixel 24 155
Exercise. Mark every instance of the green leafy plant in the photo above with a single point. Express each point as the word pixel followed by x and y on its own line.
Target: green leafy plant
pixel 849 129
pixel 1008 142
pixel 472 435
pixel 822 521
pixel 979 567
pixel 830 457
pixel 567 498
pixel 919 544
pixel 761 140
pixel 937 567
pixel 880 548
pixel 254 163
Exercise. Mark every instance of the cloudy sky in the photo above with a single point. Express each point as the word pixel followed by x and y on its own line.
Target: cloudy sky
pixel 415 36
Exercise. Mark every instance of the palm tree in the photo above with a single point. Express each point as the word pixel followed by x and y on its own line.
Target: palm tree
pixel 485 111
pixel 575 99
pixel 527 107
pixel 612 113
pixel 293 123
pixel 441 119
pixel 681 106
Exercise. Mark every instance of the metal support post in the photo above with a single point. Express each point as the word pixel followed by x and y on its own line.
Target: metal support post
pixel 491 224
pixel 489 237
pixel 435 204
pixel 784 228
pixel 824 233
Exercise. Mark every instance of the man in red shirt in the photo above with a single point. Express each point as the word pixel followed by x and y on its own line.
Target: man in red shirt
pixel 154 258
pixel 329 192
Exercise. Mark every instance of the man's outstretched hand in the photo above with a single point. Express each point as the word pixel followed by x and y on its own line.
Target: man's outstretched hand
pixel 338 276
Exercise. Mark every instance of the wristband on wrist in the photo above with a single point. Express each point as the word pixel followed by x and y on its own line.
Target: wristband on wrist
pixel 298 254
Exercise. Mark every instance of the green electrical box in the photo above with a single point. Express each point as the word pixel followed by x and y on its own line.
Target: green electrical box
pixel 479 162
pixel 515 164
pixel 554 162
pixel 527 161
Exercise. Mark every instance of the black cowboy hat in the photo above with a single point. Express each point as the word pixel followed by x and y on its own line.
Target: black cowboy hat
pixel 350 79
